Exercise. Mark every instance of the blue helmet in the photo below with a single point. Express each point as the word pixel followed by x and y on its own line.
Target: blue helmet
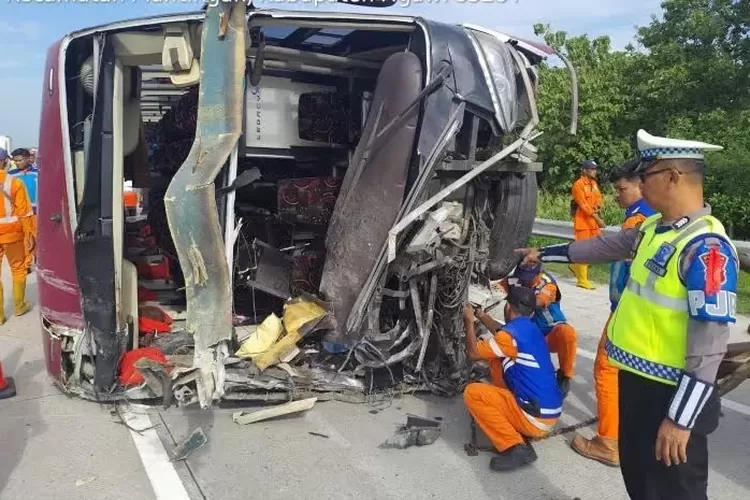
pixel 527 274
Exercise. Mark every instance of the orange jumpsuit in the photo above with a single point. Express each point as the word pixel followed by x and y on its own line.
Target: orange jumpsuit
pixel 493 406
pixel 562 339
pixel 16 230
pixel 588 198
pixel 605 374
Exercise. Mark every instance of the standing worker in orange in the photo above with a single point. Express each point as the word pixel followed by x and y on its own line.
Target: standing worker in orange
pixel 604 445
pixel 586 204
pixel 16 234
pixel 523 398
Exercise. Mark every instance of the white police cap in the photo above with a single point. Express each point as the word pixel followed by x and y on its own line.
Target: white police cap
pixel 651 148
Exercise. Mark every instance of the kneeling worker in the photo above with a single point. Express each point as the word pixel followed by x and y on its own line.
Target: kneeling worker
pixel 560 335
pixel 523 399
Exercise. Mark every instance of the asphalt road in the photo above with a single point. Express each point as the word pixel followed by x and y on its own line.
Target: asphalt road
pixel 54 447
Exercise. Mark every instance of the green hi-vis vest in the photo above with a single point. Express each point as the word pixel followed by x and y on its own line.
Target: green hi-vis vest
pixel 648 331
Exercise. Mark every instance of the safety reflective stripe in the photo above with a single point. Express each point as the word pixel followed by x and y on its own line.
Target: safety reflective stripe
pixel 8 220
pixel 6 199
pixel 530 364
pixel 536 423
pixel 527 360
pixel 551 411
pixel 495 348
pixel 650 294
pixel 507 363
pixel 642 365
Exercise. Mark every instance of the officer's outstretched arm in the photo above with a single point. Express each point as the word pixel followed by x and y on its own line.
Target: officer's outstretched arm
pixel 599 250
pixel 709 269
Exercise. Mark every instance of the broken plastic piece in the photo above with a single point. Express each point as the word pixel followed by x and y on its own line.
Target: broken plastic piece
pixel 188 446
pixel 262 338
pixel 243 418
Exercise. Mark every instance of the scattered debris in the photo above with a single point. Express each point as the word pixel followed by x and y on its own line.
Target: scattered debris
pixel 84 481
pixel 418 431
pixel 262 338
pixel 318 434
pixel 189 445
pixel 244 418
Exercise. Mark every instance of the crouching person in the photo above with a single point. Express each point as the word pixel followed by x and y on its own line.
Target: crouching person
pixel 524 398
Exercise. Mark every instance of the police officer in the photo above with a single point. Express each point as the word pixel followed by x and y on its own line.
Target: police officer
pixel 670 329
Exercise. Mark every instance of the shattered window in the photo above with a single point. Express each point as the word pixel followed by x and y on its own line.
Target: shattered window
pixel 501 77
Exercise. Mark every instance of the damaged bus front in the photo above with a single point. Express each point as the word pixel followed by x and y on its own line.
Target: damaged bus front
pixel 322 193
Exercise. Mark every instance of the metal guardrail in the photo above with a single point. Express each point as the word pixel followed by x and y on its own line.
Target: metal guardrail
pixel 564 230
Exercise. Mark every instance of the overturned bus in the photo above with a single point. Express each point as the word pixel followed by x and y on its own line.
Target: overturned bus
pixel 320 196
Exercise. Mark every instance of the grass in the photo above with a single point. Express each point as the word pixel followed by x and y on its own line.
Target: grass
pixel 557 207
pixel 599 274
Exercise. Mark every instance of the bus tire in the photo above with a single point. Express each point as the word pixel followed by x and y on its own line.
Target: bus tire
pixel 514 216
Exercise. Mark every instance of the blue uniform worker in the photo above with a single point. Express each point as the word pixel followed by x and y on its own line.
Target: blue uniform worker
pixel 523 399
pixel 559 334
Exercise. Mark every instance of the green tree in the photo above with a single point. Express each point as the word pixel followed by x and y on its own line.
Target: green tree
pixel 689 79
pixel 602 99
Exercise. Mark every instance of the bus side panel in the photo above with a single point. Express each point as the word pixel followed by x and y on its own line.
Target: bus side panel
pixel 59 295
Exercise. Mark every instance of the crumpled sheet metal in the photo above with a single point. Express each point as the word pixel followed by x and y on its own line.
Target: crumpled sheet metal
pixel 190 200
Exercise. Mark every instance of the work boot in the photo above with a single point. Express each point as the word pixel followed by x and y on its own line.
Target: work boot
pixel 513 458
pixel 581 272
pixel 22 306
pixel 604 450
pixel 563 383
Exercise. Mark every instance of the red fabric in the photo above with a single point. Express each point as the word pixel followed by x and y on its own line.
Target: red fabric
pixel 146 295
pixel 148 325
pixel 154 270
pixel 129 375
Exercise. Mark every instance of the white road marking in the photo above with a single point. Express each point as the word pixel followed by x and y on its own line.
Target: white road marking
pixel 726 403
pixel 738 407
pixel 164 479
pixel 586 354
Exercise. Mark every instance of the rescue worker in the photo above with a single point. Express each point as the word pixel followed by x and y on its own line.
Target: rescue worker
pixel 523 399
pixel 560 335
pixel 15 235
pixel 670 329
pixel 29 175
pixel 604 445
pixel 33 158
pixel 586 204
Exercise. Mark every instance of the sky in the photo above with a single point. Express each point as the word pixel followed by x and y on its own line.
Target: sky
pixel 31 26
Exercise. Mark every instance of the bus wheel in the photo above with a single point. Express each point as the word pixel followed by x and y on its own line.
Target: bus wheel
pixel 514 220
